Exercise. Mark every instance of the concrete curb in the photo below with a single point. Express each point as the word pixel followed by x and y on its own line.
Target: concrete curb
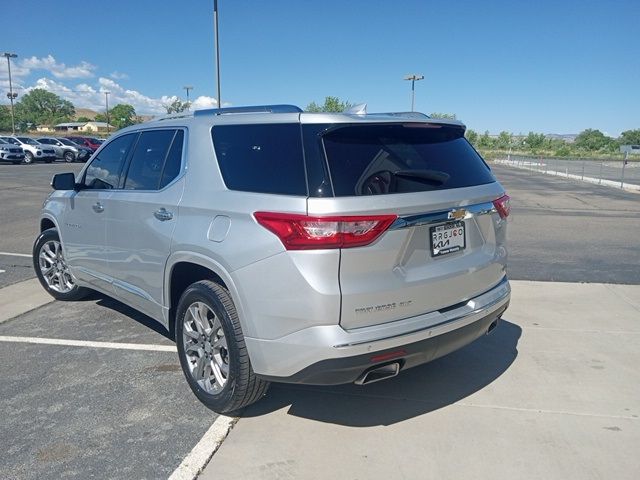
pixel 21 298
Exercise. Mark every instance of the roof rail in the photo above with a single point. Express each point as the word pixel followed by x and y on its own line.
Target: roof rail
pixel 403 114
pixel 171 116
pixel 252 109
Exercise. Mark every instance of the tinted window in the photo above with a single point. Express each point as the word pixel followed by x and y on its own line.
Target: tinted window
pixel 46 141
pixel 148 158
pixel 173 161
pixel 401 158
pixel 104 170
pixel 261 158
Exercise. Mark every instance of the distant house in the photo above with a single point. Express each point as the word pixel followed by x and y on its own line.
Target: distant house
pixel 69 126
pixel 83 127
pixel 96 127
pixel 45 128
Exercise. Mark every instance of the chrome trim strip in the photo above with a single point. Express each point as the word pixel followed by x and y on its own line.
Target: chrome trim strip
pixel 458 319
pixel 443 216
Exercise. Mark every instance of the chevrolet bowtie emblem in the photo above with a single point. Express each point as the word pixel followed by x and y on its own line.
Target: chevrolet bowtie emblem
pixel 457 214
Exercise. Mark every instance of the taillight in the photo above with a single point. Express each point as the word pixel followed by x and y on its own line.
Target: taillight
pixel 502 205
pixel 302 232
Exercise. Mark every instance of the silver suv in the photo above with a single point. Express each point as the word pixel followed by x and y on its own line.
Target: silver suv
pixel 277 245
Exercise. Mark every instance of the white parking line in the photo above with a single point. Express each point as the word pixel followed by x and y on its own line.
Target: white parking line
pixel 83 343
pixel 9 254
pixel 198 458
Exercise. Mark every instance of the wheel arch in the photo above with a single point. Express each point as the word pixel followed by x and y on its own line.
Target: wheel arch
pixel 185 268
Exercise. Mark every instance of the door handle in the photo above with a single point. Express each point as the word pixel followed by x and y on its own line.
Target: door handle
pixel 163 215
pixel 98 207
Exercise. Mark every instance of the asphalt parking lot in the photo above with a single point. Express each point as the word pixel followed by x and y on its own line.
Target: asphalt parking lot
pixel 93 408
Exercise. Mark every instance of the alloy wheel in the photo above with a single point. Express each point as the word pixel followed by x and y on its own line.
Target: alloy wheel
pixel 205 348
pixel 53 267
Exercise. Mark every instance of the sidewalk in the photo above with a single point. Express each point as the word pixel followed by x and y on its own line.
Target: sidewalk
pixel 553 393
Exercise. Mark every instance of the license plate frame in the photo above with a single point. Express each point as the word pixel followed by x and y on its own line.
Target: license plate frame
pixel 444 239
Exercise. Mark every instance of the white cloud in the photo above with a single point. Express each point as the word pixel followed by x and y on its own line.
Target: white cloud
pixel 203 102
pixel 119 75
pixel 58 70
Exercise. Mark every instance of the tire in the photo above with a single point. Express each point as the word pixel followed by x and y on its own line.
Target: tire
pixel 217 339
pixel 28 157
pixel 69 157
pixel 48 160
pixel 51 268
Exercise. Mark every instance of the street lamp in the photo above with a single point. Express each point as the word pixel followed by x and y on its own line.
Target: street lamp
pixel 12 96
pixel 106 102
pixel 413 79
pixel 217 46
pixel 187 88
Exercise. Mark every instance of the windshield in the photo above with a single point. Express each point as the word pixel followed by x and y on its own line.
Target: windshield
pixel 379 159
pixel 28 141
pixel 12 141
pixel 67 142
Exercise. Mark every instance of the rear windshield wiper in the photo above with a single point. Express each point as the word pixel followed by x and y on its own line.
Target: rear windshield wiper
pixel 429 176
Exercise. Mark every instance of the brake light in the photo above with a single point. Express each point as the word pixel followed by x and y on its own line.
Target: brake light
pixel 302 232
pixel 502 205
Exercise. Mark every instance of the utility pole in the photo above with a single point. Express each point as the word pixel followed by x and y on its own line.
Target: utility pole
pixel 106 102
pixel 217 46
pixel 12 96
pixel 187 88
pixel 413 79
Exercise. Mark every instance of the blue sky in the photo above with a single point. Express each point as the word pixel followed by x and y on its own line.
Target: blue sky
pixel 553 67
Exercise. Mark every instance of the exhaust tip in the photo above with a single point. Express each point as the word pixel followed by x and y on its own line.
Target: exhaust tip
pixel 376 374
pixel 493 325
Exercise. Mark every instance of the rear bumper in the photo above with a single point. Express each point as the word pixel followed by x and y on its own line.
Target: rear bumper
pixel 330 355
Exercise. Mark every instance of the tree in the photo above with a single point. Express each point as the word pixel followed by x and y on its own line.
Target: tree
pixel 331 104
pixel 472 136
pixel 5 118
pixel 630 137
pixel 42 107
pixel 485 141
pixel 177 106
pixel 592 140
pixel 101 117
pixel 535 141
pixel 83 119
pixel 446 116
pixel 504 140
pixel 122 115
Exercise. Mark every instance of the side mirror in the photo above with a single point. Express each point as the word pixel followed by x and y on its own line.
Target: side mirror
pixel 63 181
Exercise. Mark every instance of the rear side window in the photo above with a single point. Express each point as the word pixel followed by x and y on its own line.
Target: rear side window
pixel 261 158
pixel 148 161
pixel 104 170
pixel 401 158
pixel 174 160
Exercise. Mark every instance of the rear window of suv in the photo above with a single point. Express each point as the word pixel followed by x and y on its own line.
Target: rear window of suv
pixel 380 159
pixel 261 158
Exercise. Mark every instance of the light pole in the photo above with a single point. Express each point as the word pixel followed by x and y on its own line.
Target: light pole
pixel 11 95
pixel 187 88
pixel 413 79
pixel 106 102
pixel 217 45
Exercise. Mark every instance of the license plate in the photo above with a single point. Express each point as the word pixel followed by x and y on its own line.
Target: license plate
pixel 447 238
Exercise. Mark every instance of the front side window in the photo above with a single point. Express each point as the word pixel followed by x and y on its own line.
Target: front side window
pixel 148 162
pixel 44 141
pixel 104 170
pixel 261 158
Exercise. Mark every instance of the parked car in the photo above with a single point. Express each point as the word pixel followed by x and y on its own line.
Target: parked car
pixel 296 247
pixel 32 149
pixel 11 153
pixel 66 149
pixel 88 142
